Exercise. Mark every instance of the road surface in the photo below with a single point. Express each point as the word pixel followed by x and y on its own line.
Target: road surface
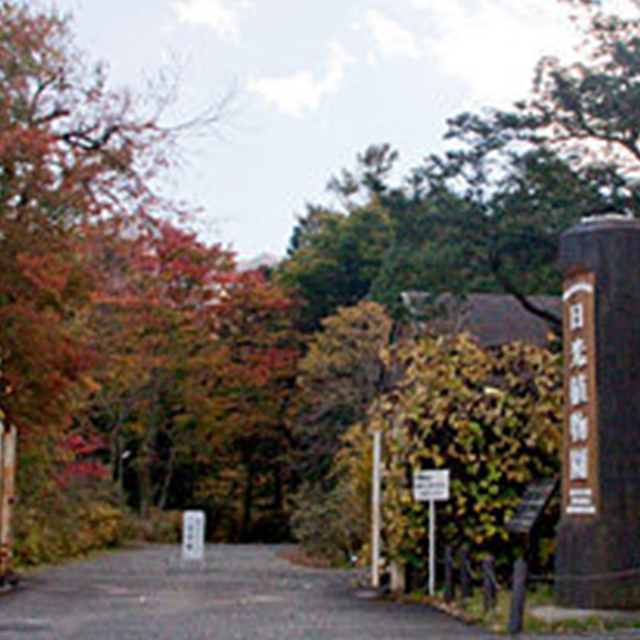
pixel 240 593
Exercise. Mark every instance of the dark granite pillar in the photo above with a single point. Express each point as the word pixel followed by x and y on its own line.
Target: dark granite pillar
pixel 598 546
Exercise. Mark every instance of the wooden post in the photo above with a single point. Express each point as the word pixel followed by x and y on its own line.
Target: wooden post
pixel 398 578
pixel 466 588
pixel 488 583
pixel 8 437
pixel 375 510
pixel 518 597
pixel 449 576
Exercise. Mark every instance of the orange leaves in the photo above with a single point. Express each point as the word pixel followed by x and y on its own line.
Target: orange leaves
pixel 196 358
pixel 49 272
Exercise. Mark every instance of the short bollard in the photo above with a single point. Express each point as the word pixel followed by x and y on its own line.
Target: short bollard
pixel 449 576
pixel 518 597
pixel 489 584
pixel 466 587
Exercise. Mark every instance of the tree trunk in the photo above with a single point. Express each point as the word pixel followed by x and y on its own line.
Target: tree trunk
pixel 245 529
pixel 278 499
pixel 168 477
pixel 144 480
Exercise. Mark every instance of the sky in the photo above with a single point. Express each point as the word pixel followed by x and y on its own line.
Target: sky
pixel 307 85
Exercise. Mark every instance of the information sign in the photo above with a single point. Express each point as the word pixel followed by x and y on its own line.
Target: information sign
pixel 532 506
pixel 432 484
pixel 193 529
pixel 579 485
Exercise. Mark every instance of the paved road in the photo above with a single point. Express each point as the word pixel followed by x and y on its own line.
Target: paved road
pixel 241 593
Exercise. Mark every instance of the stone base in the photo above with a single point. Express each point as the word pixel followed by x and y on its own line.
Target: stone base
pixel 607 595
pixel 551 614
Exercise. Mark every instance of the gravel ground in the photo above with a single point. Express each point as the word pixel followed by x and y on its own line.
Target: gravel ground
pixel 239 593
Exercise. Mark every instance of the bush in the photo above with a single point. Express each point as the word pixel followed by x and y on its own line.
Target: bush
pixel 57 530
pixel 161 526
pixel 493 417
pixel 332 521
pixel 326 525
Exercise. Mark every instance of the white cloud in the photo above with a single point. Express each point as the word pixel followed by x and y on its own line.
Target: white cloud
pixel 494 45
pixel 301 93
pixel 391 39
pixel 221 16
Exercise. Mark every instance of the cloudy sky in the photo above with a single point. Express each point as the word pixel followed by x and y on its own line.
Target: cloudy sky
pixel 313 83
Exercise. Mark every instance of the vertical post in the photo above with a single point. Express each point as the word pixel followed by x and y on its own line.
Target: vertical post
pixel 449 582
pixel 518 597
pixel 488 583
pixel 8 455
pixel 432 547
pixel 465 574
pixel 3 516
pixel 398 578
pixel 375 511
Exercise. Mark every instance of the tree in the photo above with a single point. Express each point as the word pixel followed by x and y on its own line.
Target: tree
pixel 197 370
pixel 486 216
pixel 154 320
pixel 588 108
pixel 338 378
pixel 435 247
pixel 334 258
pixel 262 347
pixel 569 151
pixel 73 154
pixel 71 151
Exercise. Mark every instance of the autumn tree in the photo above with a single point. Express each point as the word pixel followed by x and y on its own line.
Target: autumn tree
pixel 71 151
pixel 197 371
pixel 153 321
pixel 338 378
pixel 490 416
pixel 73 154
pixel 258 385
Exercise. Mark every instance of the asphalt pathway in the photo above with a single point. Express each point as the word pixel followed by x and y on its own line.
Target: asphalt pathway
pixel 239 593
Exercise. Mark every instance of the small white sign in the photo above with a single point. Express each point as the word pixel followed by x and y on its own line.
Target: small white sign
pixel 193 528
pixel 432 484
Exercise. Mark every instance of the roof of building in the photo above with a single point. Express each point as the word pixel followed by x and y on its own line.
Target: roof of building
pixel 494 319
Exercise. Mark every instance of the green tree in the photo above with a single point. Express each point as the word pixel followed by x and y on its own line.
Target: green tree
pixel 333 259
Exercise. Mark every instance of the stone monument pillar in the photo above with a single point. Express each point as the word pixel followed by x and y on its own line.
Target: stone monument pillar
pixel 598 545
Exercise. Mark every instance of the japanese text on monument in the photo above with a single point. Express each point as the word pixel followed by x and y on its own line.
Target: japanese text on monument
pixel 579 468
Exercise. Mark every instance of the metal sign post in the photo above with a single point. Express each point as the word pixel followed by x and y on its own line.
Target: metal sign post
pixel 375 511
pixel 430 486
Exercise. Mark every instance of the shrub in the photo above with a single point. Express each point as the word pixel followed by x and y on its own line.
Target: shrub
pixel 493 417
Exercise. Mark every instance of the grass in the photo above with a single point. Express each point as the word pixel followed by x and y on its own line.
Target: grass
pixel 471 610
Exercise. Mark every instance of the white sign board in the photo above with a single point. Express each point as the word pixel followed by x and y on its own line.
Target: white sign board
pixel 193 528
pixel 432 484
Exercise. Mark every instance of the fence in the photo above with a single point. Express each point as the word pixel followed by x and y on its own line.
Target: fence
pixel 460 576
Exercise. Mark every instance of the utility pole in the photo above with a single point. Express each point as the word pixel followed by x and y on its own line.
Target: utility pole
pixel 375 510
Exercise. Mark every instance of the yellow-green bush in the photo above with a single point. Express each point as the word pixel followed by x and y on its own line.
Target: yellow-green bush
pixel 333 521
pixel 57 530
pixel 161 526
pixel 493 417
